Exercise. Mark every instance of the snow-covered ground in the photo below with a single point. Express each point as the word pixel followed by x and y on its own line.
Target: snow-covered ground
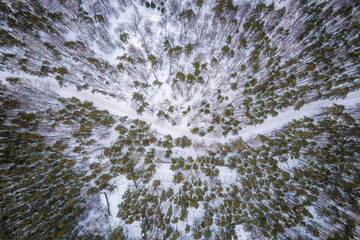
pixel 123 109
pixel 270 124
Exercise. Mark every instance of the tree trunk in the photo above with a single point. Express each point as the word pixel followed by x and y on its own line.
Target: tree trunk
pixel 107 203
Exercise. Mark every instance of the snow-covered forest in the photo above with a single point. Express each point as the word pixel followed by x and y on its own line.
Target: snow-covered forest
pixel 179 119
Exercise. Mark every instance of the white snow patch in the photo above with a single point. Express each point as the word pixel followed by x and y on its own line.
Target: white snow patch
pixel 241 233
pixel 164 174
pixel 289 164
pixel 227 175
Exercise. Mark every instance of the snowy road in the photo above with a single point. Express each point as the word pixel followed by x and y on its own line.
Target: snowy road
pixel 122 109
pixel 290 114
pixel 270 124
pixel 101 101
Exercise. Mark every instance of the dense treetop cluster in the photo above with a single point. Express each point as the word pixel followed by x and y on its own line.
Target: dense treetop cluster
pixel 212 67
